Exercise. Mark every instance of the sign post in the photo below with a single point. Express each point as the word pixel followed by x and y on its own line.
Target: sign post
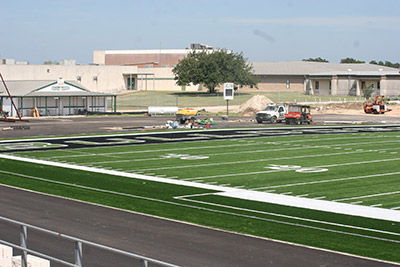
pixel 228 95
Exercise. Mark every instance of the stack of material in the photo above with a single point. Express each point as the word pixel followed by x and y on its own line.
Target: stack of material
pixel 34 112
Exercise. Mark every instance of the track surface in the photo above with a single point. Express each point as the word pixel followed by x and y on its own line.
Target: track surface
pixel 48 126
pixel 174 242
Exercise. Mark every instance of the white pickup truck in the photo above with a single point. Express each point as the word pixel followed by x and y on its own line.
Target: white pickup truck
pixel 272 113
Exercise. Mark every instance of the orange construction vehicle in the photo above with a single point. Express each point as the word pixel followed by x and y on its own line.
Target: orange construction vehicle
pixel 376 106
pixel 298 114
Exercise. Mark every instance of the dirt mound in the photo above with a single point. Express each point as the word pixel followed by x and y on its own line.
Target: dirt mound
pixel 340 107
pixel 254 104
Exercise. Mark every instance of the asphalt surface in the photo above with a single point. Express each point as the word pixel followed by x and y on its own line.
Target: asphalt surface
pixel 51 126
pixel 174 242
pixel 169 241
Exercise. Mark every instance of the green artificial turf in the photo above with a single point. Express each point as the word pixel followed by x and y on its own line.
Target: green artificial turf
pixel 246 163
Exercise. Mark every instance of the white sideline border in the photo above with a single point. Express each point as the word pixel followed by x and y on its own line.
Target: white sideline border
pixel 299 202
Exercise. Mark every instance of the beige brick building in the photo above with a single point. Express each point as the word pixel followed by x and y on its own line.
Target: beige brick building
pixel 318 78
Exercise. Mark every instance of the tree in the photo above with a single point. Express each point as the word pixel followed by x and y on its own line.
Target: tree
pixel 386 63
pixel 213 69
pixel 49 62
pixel 318 59
pixel 367 91
pixel 351 60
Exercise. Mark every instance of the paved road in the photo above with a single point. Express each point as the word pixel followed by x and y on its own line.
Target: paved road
pixel 174 242
pixel 47 126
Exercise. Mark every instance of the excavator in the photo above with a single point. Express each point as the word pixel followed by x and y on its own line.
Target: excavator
pixel 375 106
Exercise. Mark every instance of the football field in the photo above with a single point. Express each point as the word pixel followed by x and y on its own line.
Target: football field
pixel 331 188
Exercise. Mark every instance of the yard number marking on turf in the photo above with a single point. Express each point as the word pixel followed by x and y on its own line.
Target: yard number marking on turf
pixel 183 156
pixel 296 168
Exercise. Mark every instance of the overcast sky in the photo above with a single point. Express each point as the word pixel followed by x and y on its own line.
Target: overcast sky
pixel 264 30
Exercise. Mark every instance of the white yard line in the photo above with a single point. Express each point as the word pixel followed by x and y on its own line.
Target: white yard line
pixel 232 213
pixel 271 171
pixel 186 198
pixel 269 150
pixel 329 181
pixel 322 205
pixel 367 196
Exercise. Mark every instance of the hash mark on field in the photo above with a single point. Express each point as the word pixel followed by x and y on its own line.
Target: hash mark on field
pixel 286 193
pixel 395 208
pixel 319 197
pixel 376 205
pixel 303 195
pixel 356 202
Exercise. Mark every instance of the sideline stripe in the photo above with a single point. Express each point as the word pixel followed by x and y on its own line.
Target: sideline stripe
pixel 280 215
pixel 230 213
pixel 322 205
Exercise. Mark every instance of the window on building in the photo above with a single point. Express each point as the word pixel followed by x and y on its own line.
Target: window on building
pixel 287 84
pixel 379 85
pixel 317 85
pixel 131 83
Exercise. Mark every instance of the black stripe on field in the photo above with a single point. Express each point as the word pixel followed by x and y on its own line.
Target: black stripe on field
pixel 181 136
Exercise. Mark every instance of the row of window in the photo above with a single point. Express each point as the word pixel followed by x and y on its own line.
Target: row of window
pixel 363 85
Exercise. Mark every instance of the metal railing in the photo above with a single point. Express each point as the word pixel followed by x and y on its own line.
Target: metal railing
pixel 144 261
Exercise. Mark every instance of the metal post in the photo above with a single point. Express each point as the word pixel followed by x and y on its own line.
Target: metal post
pixel 45 103
pixel 227 109
pixel 24 242
pixel 78 254
pixel 143 263
pixel 115 103
pixel 21 111
pixel 69 105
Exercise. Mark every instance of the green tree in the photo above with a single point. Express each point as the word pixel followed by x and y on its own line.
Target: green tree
pixel 49 62
pixel 317 59
pixel 212 69
pixel 386 63
pixel 367 91
pixel 351 60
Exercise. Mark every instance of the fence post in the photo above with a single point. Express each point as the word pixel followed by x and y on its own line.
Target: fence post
pixel 143 263
pixel 24 242
pixel 78 254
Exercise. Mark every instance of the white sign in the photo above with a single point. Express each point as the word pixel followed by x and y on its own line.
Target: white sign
pixel 228 91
